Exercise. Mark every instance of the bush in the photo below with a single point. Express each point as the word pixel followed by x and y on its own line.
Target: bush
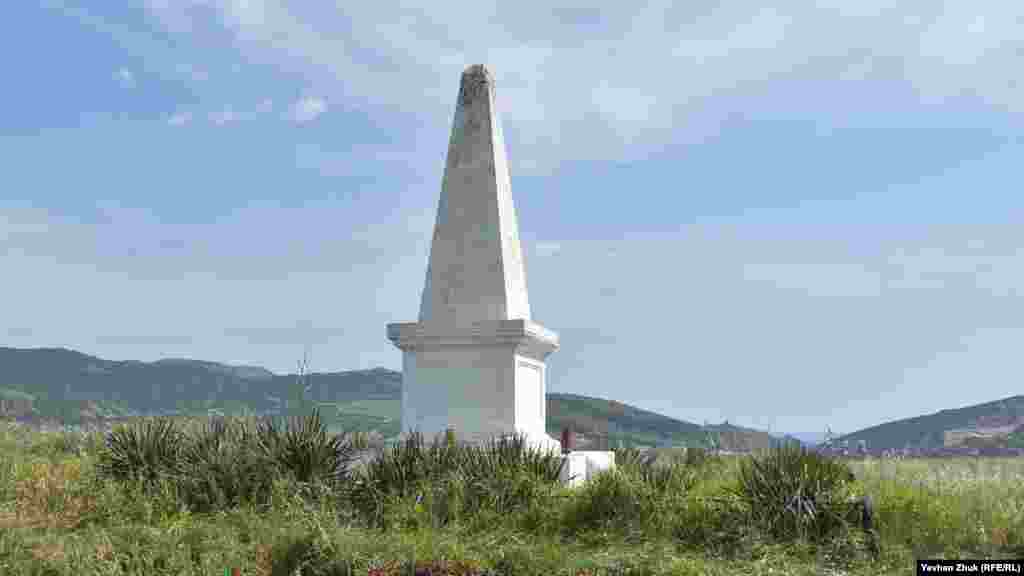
pixel 712 524
pixel 222 468
pixel 447 481
pixel 505 475
pixel 676 477
pixel 307 555
pixel 615 502
pixel 226 463
pixel 793 493
pixel 305 451
pixel 146 450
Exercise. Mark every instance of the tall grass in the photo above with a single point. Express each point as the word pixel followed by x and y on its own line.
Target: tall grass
pixel 191 497
pixel 445 482
pixel 949 506
pixel 793 493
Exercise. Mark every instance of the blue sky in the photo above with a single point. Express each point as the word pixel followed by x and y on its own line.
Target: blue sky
pixel 786 217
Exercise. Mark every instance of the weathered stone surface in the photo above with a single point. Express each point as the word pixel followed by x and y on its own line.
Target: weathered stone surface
pixel 476 270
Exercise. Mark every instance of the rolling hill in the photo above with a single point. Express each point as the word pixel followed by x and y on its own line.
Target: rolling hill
pixel 928 431
pixel 67 385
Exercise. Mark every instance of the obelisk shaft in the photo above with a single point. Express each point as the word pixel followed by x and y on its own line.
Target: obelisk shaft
pixel 476 271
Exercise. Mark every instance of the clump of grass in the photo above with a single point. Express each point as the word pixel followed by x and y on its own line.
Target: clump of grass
pixel 677 476
pixel 613 502
pixel 308 555
pixel 640 499
pixel 222 467
pixel 304 450
pixel 796 494
pixel 442 482
pixel 149 449
pixel 227 463
pixel 505 475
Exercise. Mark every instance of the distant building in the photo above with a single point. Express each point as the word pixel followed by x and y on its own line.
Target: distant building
pixel 13 405
pixel 961 436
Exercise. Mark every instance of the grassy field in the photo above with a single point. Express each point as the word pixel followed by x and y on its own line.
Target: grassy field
pixel 152 500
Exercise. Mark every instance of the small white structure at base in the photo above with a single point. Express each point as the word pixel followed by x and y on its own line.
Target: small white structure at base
pixel 581 466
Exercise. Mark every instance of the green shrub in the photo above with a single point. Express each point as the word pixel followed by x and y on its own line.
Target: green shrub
pixel 506 475
pixel 793 493
pixel 307 555
pixel 677 476
pixel 149 449
pixel 450 481
pixel 394 473
pixel 304 450
pixel 222 467
pixel 511 453
pixel 613 501
pixel 226 463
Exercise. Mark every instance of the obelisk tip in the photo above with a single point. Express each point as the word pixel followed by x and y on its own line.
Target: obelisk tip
pixel 477 82
pixel 480 71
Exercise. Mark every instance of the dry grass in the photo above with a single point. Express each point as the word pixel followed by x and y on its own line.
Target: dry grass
pixel 50 494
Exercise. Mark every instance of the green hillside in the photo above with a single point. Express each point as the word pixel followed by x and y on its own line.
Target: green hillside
pixel 11 394
pixel 618 421
pixel 60 380
pixel 65 383
pixel 927 431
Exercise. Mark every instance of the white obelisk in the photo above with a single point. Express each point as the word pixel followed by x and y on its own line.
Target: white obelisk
pixel 474 361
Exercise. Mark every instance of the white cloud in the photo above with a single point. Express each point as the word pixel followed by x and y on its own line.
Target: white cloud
pixel 308 109
pixel 265 106
pixel 126 78
pixel 180 119
pixel 581 83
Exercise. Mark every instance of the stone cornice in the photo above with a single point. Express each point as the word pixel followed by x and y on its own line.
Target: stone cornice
pixel 529 338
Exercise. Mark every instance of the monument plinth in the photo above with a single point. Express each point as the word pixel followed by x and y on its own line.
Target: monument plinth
pixel 475 361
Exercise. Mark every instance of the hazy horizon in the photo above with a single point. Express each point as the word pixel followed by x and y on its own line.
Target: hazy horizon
pixel 784 218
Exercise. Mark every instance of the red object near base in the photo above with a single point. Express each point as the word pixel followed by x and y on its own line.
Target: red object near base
pixel 568 440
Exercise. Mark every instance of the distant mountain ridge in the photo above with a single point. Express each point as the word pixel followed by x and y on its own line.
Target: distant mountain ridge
pixel 929 431
pixel 808 438
pixel 58 377
pixel 245 372
pixel 65 383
